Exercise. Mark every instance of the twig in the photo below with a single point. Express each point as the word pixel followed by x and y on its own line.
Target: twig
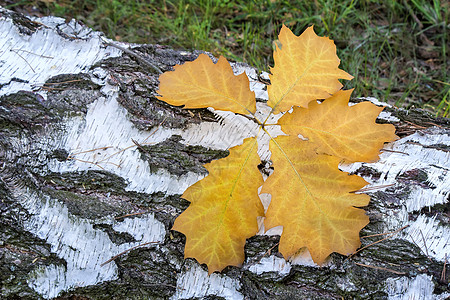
pixel 115 153
pixel 414 242
pixel 424 243
pixel 159 125
pixel 44 56
pixel 134 214
pixel 86 161
pixel 380 268
pixel 62 82
pixel 370 188
pixel 47 88
pixel 47 85
pixel 15 51
pixel 379 241
pixel 128 250
pixel 443 279
pixel 141 59
pixel 140 146
pixel 414 143
pixel 431 123
pixel 393 151
pixel 136 144
pixel 415 125
pixel 378 234
pixel 91 150
pixel 268 251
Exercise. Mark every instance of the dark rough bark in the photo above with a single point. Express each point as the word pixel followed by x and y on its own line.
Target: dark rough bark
pixel 31 122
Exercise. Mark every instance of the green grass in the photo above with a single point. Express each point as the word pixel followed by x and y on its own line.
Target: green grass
pixel 396 50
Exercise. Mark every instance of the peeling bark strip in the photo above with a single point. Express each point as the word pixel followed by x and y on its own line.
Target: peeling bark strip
pixel 92 166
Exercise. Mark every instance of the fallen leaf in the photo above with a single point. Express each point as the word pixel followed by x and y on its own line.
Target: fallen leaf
pixel 306 68
pixel 202 83
pixel 311 199
pixel 223 211
pixel 337 129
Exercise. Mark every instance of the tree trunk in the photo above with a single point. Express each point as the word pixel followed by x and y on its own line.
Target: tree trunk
pixel 92 167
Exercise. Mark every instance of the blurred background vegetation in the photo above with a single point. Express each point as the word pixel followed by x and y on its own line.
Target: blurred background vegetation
pixel 396 50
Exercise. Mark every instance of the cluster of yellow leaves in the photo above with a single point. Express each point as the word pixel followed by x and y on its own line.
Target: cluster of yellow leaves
pixel 311 198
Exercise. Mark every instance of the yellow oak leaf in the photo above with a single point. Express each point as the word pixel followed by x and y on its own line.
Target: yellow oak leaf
pixel 201 83
pixel 223 210
pixel 340 130
pixel 306 68
pixel 311 199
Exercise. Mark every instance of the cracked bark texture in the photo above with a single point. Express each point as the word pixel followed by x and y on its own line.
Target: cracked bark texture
pixel 92 166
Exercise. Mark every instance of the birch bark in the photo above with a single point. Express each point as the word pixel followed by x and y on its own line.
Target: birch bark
pixel 86 212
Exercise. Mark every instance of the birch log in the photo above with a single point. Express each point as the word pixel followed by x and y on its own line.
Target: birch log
pixel 92 167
